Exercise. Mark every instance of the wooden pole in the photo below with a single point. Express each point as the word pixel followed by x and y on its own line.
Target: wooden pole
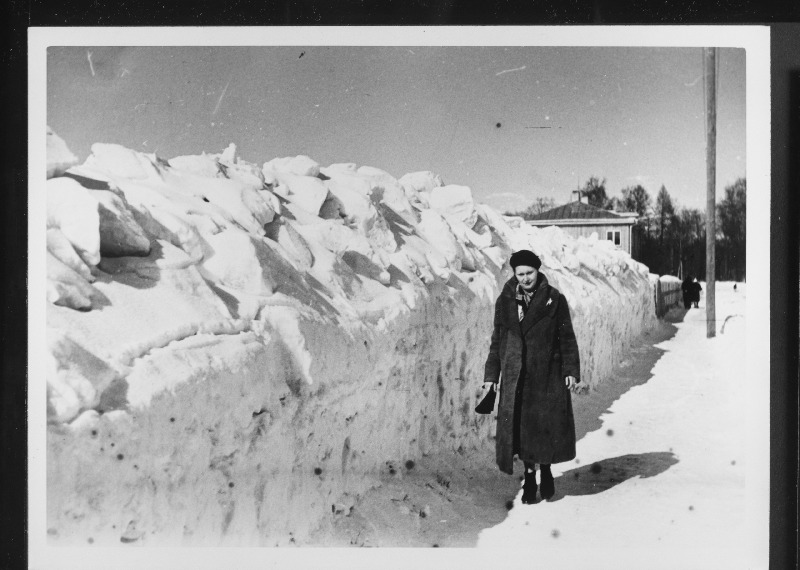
pixel 710 76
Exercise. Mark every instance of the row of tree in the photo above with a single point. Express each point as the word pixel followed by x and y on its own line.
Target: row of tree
pixel 672 238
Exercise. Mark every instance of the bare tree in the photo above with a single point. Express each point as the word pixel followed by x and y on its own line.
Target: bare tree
pixel 539 205
pixel 595 192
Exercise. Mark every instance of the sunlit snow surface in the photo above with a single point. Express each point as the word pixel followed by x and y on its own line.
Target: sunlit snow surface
pixel 661 483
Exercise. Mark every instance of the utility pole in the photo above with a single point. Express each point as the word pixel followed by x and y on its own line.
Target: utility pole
pixel 710 82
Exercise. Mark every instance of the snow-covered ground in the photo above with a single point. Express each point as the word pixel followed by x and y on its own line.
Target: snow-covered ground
pixel 236 352
pixel 660 483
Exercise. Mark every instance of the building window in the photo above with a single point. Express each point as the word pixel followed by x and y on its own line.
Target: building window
pixel 613 235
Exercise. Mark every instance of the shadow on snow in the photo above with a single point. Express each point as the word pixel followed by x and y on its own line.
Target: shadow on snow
pixel 603 475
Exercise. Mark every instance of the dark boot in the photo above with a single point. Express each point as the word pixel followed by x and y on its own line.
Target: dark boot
pixel 529 488
pixel 548 484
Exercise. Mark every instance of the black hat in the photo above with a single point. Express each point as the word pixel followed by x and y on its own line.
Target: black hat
pixel 525 257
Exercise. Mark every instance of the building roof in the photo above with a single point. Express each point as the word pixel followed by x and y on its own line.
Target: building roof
pixel 577 211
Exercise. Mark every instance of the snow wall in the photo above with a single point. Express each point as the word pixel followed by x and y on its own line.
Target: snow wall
pixel 236 352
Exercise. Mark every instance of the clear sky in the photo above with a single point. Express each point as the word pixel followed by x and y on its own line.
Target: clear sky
pixel 471 114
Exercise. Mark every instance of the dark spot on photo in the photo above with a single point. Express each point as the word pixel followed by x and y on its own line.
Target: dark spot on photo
pixel 610 432
pixel 90 540
pixel 555 533
pixel 172 420
pixel 733 462
pixel 436 546
pixel 498 125
pixel 691 508
pixel 509 505
pixel 392 471
pixel 230 484
pixel 120 456
pixel 317 471
pixel 94 432
pixel 409 464
pixel 596 468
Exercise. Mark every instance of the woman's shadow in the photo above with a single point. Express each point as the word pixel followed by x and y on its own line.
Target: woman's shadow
pixel 602 475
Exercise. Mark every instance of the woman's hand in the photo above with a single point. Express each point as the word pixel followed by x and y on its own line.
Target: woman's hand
pixel 570 382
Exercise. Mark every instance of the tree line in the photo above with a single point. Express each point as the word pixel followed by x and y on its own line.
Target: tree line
pixel 672 238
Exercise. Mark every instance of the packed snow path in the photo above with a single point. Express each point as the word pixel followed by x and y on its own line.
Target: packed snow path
pixel 660 481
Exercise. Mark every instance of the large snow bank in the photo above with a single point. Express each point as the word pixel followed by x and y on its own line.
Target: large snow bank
pixel 239 351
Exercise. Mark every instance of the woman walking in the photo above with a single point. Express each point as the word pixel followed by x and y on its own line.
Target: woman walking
pixel 534 347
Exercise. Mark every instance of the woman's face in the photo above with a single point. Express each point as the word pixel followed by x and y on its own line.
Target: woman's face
pixel 526 275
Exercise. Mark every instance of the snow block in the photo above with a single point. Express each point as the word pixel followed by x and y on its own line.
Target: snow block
pixel 353 193
pixel 297 165
pixel 202 165
pixel 66 287
pixel 386 189
pixel 423 181
pixel 307 192
pixel 72 209
pixel 118 161
pixel 233 262
pixel 61 248
pixel 59 157
pixel 234 168
pixel 75 377
pixel 436 231
pixel 454 201
pixel 120 235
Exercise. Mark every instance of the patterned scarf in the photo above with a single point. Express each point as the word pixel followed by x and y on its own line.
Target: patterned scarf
pixel 524 300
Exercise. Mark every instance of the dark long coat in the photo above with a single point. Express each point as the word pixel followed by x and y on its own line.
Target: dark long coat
pixel 534 356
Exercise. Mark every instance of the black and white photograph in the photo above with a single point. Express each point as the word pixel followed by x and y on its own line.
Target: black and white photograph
pixel 350 296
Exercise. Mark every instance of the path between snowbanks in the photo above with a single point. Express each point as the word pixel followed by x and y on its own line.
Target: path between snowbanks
pixel 237 352
pixel 658 482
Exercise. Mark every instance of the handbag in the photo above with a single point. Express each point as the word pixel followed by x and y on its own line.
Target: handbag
pixel 486 405
pixel 580 389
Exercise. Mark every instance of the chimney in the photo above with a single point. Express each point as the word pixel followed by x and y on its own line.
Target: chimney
pixel 578 192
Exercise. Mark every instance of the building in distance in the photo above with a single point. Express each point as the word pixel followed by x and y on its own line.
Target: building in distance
pixel 580 219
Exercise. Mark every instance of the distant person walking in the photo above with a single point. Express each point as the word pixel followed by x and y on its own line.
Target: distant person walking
pixel 534 347
pixel 686 289
pixel 695 290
